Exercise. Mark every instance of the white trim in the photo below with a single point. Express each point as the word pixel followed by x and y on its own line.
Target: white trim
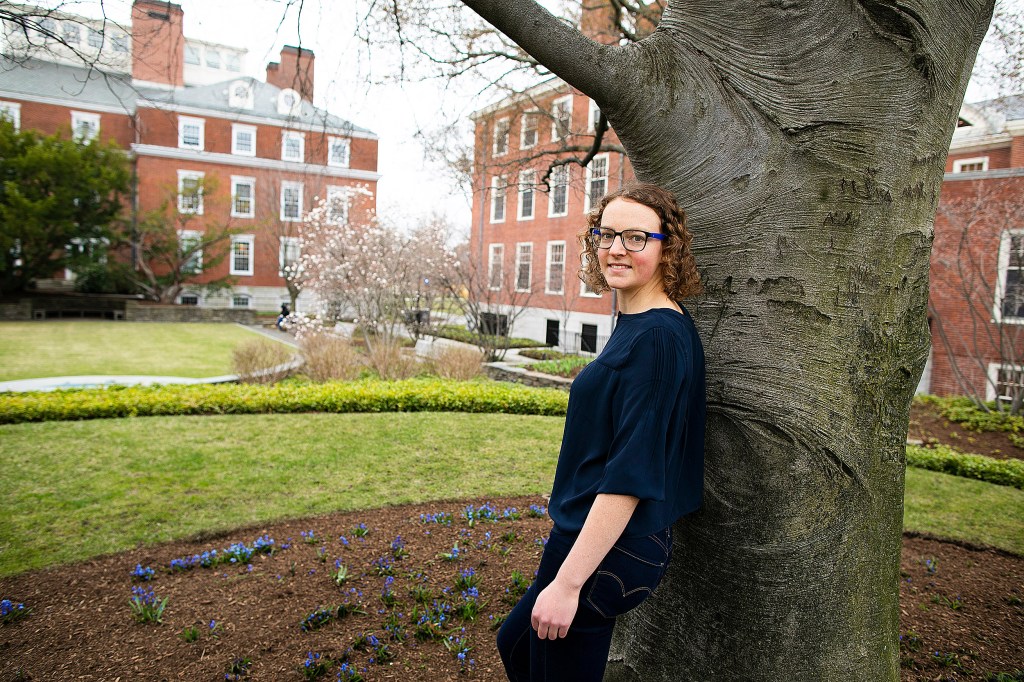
pixel 551 192
pixel 554 118
pixel 499 188
pixel 286 185
pixel 68 103
pixel 587 190
pixel 185 235
pixel 289 135
pixel 13 109
pixel 250 118
pixel 341 195
pixel 242 128
pixel 189 120
pixel 493 249
pixel 502 132
pixel 592 111
pixel 1003 266
pixel 196 175
pixel 242 239
pixel 269 164
pixel 235 296
pixel 533 115
pixel 997 174
pixel 519 264
pixel 958 165
pixel 243 180
pixel 980 143
pixel 92 120
pixel 553 84
pixel 992 377
pixel 547 268
pixel 527 185
pixel 347 144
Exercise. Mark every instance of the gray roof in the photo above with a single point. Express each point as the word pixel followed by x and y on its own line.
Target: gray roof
pixel 1010 107
pixel 38 78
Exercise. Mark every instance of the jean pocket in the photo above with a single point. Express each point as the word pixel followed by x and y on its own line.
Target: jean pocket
pixel 628 575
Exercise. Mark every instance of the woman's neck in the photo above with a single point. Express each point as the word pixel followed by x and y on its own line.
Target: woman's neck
pixel 631 303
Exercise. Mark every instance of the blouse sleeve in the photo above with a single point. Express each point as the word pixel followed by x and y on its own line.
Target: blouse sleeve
pixel 643 404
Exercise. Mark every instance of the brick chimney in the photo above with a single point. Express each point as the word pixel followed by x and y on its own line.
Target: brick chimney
pixel 295 71
pixel 158 42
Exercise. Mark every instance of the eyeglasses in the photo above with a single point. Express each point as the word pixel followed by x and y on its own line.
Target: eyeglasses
pixel 632 240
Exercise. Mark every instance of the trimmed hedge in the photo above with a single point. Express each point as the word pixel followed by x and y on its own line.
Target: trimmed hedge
pixel 948 461
pixel 413 395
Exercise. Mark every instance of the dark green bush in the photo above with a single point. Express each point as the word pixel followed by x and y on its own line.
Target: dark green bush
pixel 947 460
pixel 413 395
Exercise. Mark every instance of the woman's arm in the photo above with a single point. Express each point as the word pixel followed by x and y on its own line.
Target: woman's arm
pixel 556 604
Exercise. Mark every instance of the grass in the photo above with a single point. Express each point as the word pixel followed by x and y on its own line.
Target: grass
pixel 30 350
pixel 72 490
pixel 77 489
pixel 963 508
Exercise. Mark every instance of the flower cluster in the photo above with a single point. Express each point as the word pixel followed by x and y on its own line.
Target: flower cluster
pixel 387 595
pixel 348 673
pixel 146 606
pixel 315 666
pixel 383 566
pixel 143 573
pixel 440 518
pixel 470 606
pixel 237 553
pixel 238 668
pixel 309 537
pixel 360 530
pixel 467 578
pixel 398 548
pixel 431 621
pixel 537 511
pixel 394 627
pixel 454 555
pixel 317 619
pixel 459 647
pixel 11 611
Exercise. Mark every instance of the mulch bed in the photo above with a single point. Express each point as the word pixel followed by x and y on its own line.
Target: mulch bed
pixel 927 425
pixel 964 603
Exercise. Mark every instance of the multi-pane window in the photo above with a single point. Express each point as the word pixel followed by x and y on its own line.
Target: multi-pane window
pixel 293 146
pixel 212 58
pixel 495 261
pixel 191 132
pixel 1009 382
pixel 338 199
pixel 558 199
pixel 12 112
pixel 192 55
pixel 528 130
pixel 243 193
pixel 561 117
pixel 1010 292
pixel 288 254
pixel 241 254
pixel 85 126
pixel 71 32
pixel 190 192
pixel 190 251
pixel 243 139
pixel 498 187
pixel 189 299
pixel 232 62
pixel 94 38
pixel 338 151
pixel 119 41
pixel 597 180
pixel 501 129
pixel 524 266
pixel 240 301
pixel 555 282
pixel 971 165
pixel 291 201
pixel 527 193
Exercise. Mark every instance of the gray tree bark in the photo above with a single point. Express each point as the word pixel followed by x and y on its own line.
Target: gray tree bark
pixel 807 141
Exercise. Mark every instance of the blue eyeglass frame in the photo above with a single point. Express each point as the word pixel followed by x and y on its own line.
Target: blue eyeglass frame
pixel 596 232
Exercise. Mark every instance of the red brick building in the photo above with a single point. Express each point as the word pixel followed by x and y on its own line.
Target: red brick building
pixel 229 150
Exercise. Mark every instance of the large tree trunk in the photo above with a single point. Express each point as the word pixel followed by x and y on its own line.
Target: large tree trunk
pixel 807 141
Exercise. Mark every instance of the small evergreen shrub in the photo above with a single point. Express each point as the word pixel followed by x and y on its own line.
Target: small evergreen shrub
pixel 947 460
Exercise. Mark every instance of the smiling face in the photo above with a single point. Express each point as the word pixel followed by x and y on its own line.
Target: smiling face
pixel 636 274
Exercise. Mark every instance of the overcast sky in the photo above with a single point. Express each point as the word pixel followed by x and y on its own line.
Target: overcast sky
pixel 410 185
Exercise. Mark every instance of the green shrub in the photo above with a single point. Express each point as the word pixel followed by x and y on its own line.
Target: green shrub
pixel 566 367
pixel 457 333
pixel 544 354
pixel 947 460
pixel 963 411
pixel 413 395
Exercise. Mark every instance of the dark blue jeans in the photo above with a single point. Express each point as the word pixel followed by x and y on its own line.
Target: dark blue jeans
pixel 623 579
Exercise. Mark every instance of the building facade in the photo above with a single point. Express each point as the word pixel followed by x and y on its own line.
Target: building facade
pixel 219 148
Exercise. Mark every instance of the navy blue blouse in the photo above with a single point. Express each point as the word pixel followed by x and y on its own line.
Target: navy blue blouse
pixel 635 425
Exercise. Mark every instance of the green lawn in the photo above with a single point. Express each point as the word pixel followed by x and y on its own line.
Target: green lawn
pixel 30 350
pixel 77 489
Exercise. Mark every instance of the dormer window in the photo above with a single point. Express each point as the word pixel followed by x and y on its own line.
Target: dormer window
pixel 288 102
pixel 240 95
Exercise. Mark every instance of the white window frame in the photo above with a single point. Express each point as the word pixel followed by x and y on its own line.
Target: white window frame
pixel 555 105
pixel 286 244
pixel 242 239
pixel 71 32
pixel 94 38
pixel 237 128
pixel 534 117
pixel 195 175
pixel 992 376
pixel 593 112
pixel 199 299
pixel 212 60
pixel 584 291
pixel 501 137
pixel 286 185
pixel 184 121
pixel 293 134
pixel 958 165
pixel 187 236
pixel 237 180
pixel 495 262
pixel 235 298
pixel 521 248
pixel 499 192
pixel 343 143
pixel 1005 244
pixel 338 197
pixel 12 110
pixel 551 261
pixel 588 201
pixel 553 191
pixel 89 120
pixel 527 187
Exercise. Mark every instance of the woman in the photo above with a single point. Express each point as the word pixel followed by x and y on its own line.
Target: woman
pixel 632 457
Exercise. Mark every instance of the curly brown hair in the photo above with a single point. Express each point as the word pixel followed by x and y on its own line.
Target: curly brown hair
pixel 679 269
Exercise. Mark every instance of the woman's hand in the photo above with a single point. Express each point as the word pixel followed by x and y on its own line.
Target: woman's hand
pixel 554 610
